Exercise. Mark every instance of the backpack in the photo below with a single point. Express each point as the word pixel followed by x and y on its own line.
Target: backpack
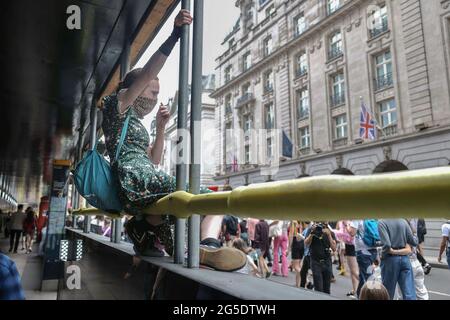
pixel 371 237
pixel 232 225
pixel 95 181
pixel 421 227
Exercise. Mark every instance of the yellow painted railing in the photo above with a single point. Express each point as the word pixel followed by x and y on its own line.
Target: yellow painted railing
pixel 418 193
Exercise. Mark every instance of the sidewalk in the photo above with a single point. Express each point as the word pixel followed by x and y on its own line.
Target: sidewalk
pixel 30 270
pixel 435 264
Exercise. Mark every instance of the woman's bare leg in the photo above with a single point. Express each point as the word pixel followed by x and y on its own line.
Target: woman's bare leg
pixel 296 264
pixel 211 227
pixel 354 272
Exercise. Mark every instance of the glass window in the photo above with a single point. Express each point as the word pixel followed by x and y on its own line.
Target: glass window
pixel 388 113
pixel 383 65
pixel 268 81
pixel 303 103
pixel 302 64
pixel 247 154
pixel 335 45
pixel 304 137
pixel 246 61
pixel 379 20
pixel 267 46
pixel 299 24
pixel 333 5
pixel 269 148
pixel 341 126
pixel 228 73
pixel 228 103
pixel 270 10
pixel 338 89
pixel 270 116
pixel 247 123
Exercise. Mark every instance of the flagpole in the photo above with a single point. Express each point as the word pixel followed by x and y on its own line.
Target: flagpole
pixel 373 117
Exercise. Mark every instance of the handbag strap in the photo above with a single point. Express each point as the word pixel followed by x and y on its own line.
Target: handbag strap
pixel 123 134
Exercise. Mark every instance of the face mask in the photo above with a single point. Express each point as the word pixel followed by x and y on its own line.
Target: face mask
pixel 143 106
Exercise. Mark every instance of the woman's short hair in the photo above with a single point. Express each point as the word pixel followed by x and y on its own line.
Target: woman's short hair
pixel 130 78
pixel 374 290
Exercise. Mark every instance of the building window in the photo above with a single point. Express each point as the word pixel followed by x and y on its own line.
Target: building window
pixel 379 21
pixel 228 73
pixel 226 147
pixel 269 116
pixel 333 6
pixel 337 89
pixel 230 43
pixel 335 49
pixel 301 65
pixel 302 103
pixel 270 10
pixel 268 81
pixel 304 137
pixel 267 46
pixel 269 148
pixel 388 113
pixel 247 124
pixel 246 88
pixel 299 24
pixel 247 154
pixel 383 65
pixel 228 109
pixel 263 2
pixel 246 61
pixel 340 126
pixel 248 14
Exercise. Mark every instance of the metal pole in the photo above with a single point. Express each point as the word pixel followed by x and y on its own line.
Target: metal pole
pixel 196 117
pixel 181 169
pixel 116 224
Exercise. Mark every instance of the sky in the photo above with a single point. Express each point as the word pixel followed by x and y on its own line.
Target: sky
pixel 219 19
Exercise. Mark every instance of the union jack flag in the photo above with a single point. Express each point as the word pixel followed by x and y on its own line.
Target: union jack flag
pixel 367 130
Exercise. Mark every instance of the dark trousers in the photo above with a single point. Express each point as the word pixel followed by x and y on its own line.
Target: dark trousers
pixel 304 271
pixel 14 235
pixel 322 271
pixel 421 259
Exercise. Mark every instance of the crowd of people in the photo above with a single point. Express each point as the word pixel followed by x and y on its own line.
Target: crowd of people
pixel 20 227
pixel 384 258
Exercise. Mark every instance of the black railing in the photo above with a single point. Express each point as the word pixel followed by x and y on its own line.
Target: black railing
pixel 337 99
pixel 303 112
pixel 268 88
pixel 390 130
pixel 300 72
pixel 375 32
pixel 331 9
pixel 335 52
pixel 384 81
pixel 299 29
pixel 246 97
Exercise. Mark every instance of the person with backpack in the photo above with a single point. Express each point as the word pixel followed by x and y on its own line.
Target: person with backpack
pixel 397 239
pixel 321 242
pixel 418 271
pixel 366 241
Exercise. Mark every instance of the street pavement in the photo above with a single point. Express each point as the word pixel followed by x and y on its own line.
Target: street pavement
pixel 437 283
